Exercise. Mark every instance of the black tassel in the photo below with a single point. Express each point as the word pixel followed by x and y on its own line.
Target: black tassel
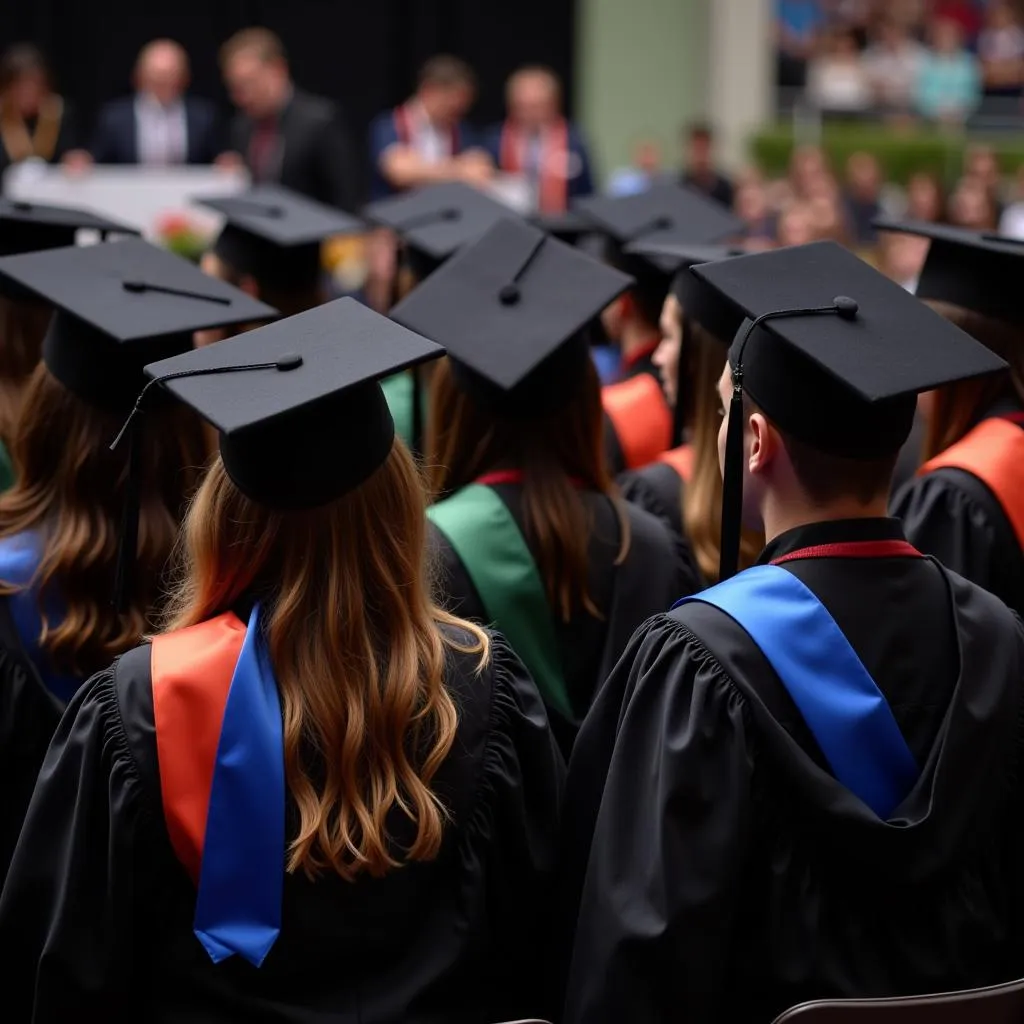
pixel 129 541
pixel 732 484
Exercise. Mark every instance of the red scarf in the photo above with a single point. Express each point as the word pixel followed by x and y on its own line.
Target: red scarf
pixel 406 118
pixel 553 183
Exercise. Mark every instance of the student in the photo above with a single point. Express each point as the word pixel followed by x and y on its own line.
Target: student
pixel 966 506
pixel 530 531
pixel 270 245
pixel 639 419
pixel 782 757
pixel 314 793
pixel 684 484
pixel 59 524
pixel 30 227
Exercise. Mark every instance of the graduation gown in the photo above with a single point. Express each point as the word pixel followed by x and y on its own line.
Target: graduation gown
pixel 722 873
pixel 657 570
pixel 952 514
pixel 658 488
pixel 96 921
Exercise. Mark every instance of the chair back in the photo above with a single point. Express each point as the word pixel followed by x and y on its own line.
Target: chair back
pixel 997 1004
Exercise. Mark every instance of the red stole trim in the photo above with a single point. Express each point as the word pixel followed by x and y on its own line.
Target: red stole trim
pixel 641 417
pixel 854 549
pixel 681 459
pixel 191 673
pixel 403 119
pixel 553 184
pixel 993 452
pixel 514 476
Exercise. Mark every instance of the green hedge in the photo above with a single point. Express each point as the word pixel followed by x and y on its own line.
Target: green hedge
pixel 901 152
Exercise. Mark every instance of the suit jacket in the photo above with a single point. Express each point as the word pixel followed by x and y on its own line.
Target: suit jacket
pixel 315 155
pixel 115 140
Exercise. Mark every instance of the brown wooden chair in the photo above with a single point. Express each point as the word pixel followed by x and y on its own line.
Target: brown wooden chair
pixel 997 1004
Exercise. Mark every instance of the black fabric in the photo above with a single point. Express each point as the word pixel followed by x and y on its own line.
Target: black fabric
pixel 911 454
pixel 589 646
pixel 115 137
pixel 97 915
pixel 68 135
pixel 725 875
pixel 641 365
pixel 657 489
pixel 615 457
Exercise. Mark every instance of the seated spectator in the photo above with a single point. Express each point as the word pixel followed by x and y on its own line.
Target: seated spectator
pixel 751 206
pixel 965 13
pixel 948 86
pixel 699 170
pixel 161 124
pixel 828 219
pixel 795 225
pixel 981 164
pixel 797 24
pixel 806 164
pixel 1012 221
pixel 1001 50
pixel 926 199
pixel 863 196
pixel 837 81
pixel 35 123
pixel 901 257
pixel 537 141
pixel 892 63
pixel 971 206
pixel 644 171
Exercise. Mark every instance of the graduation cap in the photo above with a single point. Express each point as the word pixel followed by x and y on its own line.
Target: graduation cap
pixel 31 227
pixel 569 226
pixel 302 419
pixel 274 234
pixel 974 270
pixel 119 306
pixel 437 220
pixel 510 310
pixel 834 353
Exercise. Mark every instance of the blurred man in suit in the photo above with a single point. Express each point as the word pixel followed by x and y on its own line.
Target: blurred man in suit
pixel 161 124
pixel 281 133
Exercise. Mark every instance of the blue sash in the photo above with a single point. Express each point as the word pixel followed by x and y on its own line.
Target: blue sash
pixel 839 701
pixel 19 560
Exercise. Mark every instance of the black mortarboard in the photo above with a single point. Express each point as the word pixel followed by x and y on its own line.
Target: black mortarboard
pixel 119 306
pixel 506 309
pixel 32 227
pixel 569 226
pixel 977 271
pixel 301 416
pixel 274 234
pixel 438 220
pixel 834 353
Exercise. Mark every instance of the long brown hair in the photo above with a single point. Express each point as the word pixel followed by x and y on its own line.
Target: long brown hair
pixel 958 406
pixel 558 452
pixel 71 491
pixel 705 356
pixel 23 325
pixel 353 636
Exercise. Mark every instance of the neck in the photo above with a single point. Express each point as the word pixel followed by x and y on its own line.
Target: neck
pixel 781 515
pixel 636 337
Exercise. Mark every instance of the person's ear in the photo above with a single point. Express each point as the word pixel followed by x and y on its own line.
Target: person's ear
pixel 764 444
pixel 249 286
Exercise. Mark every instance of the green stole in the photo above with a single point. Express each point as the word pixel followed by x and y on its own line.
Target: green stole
pixel 6 469
pixel 398 392
pixel 490 545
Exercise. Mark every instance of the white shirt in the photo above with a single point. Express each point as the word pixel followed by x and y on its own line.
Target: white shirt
pixel 161 132
pixel 431 143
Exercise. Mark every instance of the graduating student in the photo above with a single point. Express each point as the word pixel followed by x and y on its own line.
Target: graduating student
pixel 684 484
pixel 966 506
pixel 432 224
pixel 768 804
pixel 270 246
pixel 531 533
pixel 639 419
pixel 118 305
pixel 30 227
pixel 315 794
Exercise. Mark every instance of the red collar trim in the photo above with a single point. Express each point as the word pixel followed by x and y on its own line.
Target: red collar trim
pixel 628 362
pixel 516 476
pixel 1014 417
pixel 854 549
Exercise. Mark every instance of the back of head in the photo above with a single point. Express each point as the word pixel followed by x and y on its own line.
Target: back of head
pixel 23 324
pixel 21 61
pixel 446 72
pixel 71 490
pixel 261 43
pixel 353 636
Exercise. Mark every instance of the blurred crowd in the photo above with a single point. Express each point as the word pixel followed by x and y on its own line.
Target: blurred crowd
pixel 938 61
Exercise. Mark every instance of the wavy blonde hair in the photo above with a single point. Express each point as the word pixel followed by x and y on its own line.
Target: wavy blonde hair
pixel 354 636
pixel 70 489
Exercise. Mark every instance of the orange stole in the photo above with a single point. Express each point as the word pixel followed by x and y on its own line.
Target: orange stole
pixel 641 417
pixel 681 459
pixel 191 671
pixel 993 452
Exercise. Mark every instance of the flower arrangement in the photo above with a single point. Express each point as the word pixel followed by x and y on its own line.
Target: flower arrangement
pixel 181 235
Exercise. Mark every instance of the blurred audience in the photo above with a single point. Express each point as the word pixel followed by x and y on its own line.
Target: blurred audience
pixel 796 225
pixel 538 142
pixel 797 24
pixel 699 169
pixel 806 166
pixel 892 63
pixel 35 122
pixel 1001 51
pixel 863 196
pixel 982 165
pixel 751 206
pixel 645 169
pixel 926 199
pixel 281 133
pixel 901 257
pixel 837 80
pixel 971 206
pixel 161 124
pixel 1012 221
pixel 948 86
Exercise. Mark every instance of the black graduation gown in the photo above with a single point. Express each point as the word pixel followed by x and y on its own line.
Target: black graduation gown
pixel 591 646
pixel 726 875
pixel 96 918
pixel 657 489
pixel 951 514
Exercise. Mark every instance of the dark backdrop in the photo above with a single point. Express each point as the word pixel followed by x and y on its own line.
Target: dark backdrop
pixel 364 53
